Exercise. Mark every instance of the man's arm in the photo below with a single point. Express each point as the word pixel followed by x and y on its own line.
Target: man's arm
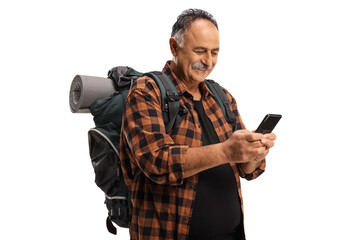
pixel 244 147
pixel 250 170
pixel 250 167
pixel 268 142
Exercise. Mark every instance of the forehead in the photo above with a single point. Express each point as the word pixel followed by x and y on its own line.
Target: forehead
pixel 202 33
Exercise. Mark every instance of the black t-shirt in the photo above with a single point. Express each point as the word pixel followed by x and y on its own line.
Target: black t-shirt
pixel 217 210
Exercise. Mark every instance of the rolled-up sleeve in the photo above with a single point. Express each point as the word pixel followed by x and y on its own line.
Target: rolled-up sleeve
pixel 256 173
pixel 150 148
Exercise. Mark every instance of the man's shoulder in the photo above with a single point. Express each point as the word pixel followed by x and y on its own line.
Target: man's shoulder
pixel 144 83
pixel 227 93
pixel 145 87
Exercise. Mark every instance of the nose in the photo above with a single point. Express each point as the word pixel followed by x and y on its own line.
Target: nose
pixel 207 60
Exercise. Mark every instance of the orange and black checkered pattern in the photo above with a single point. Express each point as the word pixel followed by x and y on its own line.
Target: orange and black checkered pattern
pixel 153 161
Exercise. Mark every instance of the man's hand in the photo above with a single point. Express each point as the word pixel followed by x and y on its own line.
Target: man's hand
pixel 244 146
pixel 268 140
pixel 247 148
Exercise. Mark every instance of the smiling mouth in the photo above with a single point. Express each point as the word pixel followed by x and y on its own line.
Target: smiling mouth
pixel 201 67
pixel 201 70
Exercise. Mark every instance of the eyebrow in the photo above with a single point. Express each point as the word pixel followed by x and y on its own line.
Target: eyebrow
pixel 204 48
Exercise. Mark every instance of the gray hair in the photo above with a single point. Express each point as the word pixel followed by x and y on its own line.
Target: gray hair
pixel 185 19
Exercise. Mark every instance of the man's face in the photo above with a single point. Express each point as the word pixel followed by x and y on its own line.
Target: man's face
pixel 198 57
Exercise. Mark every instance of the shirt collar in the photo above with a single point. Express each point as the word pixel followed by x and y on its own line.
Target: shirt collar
pixel 180 86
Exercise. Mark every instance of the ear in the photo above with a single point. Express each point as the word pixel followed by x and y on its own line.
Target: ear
pixel 173 46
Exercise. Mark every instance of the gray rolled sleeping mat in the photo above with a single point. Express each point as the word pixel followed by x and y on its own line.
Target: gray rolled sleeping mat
pixel 85 90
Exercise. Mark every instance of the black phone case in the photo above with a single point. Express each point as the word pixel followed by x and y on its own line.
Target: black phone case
pixel 268 123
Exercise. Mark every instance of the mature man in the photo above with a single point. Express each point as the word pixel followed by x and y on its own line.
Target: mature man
pixel 185 184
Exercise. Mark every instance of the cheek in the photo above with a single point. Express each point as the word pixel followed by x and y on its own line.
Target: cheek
pixel 214 61
pixel 184 59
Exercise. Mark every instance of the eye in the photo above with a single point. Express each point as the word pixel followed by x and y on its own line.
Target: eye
pixel 199 51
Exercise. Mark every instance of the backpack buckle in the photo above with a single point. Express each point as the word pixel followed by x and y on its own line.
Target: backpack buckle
pixel 172 96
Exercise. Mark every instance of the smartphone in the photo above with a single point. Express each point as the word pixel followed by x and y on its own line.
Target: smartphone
pixel 268 123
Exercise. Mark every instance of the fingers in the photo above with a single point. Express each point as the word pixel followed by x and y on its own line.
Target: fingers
pixel 270 136
pixel 268 140
pixel 253 136
pixel 258 154
pixel 245 146
pixel 256 144
pixel 242 131
pixel 265 139
pixel 248 136
pixel 267 143
pixel 257 140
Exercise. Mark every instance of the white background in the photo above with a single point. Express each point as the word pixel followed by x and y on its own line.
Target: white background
pixel 300 59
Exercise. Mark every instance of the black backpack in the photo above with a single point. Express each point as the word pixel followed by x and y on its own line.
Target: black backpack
pixel 104 138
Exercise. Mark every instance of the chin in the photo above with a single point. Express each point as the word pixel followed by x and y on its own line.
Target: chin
pixel 201 76
pixel 199 79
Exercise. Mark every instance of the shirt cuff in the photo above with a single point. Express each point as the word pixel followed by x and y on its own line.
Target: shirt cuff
pixel 176 164
pixel 255 174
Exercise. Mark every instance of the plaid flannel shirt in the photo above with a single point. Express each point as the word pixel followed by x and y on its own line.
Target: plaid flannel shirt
pixel 153 161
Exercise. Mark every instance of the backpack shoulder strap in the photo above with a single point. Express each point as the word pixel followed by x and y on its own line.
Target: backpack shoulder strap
pixel 169 99
pixel 223 102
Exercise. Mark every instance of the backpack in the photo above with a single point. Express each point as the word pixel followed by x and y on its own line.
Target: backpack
pixel 104 138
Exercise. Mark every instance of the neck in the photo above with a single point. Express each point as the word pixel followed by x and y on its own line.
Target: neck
pixel 191 87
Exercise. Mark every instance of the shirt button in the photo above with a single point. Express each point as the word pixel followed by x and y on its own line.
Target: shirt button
pixel 191 186
pixel 186 219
